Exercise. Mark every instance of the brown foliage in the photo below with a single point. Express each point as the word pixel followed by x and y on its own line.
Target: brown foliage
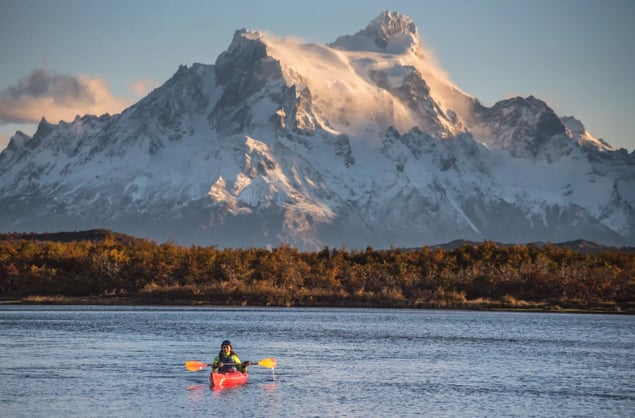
pixel 486 275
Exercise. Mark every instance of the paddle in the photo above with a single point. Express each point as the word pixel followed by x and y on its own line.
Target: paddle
pixel 195 365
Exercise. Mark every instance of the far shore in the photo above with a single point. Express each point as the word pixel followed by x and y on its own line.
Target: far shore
pixel 478 305
pixel 110 269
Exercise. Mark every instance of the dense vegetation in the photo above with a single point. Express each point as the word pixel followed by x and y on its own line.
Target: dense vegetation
pixel 105 267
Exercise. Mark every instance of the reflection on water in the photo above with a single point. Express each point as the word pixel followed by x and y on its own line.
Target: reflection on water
pixel 195 392
pixel 269 387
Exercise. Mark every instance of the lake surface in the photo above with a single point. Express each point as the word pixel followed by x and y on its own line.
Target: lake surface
pixel 82 361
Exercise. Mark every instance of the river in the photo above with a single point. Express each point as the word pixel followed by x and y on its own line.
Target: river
pixel 95 361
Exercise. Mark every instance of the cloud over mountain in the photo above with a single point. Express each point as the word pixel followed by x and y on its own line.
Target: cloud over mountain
pixel 56 97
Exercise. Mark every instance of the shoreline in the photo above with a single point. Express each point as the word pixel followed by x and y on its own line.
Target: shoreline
pixel 476 306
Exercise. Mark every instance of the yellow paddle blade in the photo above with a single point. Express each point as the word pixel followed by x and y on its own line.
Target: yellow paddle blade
pixel 269 363
pixel 194 365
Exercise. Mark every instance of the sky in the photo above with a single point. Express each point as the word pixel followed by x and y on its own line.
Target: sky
pixel 62 58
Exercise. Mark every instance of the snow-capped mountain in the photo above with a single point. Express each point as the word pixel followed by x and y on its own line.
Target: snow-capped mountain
pixel 364 141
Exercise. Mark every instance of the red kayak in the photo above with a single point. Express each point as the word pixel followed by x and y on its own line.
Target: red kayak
pixel 228 379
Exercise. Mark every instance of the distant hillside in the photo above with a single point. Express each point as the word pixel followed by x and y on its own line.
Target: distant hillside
pixel 580 246
pixel 93 235
pixel 98 235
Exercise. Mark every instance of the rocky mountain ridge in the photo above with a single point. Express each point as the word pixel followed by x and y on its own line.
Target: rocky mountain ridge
pixel 359 142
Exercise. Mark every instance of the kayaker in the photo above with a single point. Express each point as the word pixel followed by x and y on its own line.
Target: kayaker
pixel 228 361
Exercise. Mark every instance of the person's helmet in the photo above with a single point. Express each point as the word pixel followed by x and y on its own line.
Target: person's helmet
pixel 226 342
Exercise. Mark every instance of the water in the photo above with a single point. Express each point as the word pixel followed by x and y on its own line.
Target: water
pixel 128 362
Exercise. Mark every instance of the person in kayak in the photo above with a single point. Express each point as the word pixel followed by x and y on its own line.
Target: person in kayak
pixel 228 361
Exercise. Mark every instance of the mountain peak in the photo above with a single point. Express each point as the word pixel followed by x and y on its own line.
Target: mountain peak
pixel 390 32
pixel 247 45
pixel 389 24
pixel 308 145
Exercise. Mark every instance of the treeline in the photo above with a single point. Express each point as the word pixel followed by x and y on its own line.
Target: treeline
pixel 484 275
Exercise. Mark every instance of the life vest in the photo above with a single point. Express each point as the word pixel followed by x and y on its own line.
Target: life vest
pixel 229 364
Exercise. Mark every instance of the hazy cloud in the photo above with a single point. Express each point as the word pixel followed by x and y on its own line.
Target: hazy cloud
pixel 56 97
pixel 62 88
pixel 4 140
pixel 142 87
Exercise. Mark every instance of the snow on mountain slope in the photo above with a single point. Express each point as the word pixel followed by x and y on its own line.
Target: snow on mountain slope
pixel 393 40
pixel 577 132
pixel 364 141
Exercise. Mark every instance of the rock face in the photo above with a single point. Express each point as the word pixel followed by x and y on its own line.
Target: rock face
pixel 359 142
